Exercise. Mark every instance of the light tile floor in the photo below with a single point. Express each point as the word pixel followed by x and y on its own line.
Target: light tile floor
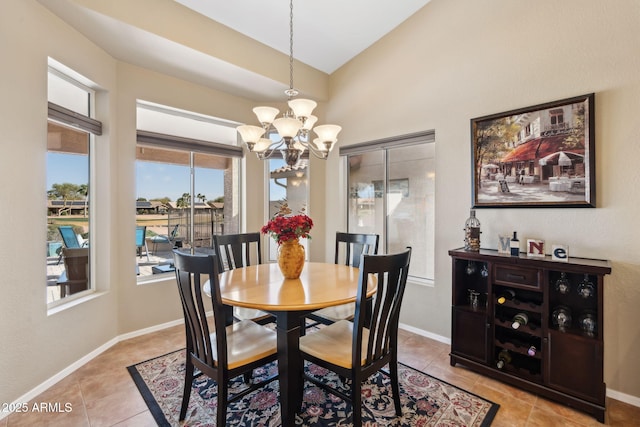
pixel 101 393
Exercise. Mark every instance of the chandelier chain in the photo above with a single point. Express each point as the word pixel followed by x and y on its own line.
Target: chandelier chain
pixel 291 45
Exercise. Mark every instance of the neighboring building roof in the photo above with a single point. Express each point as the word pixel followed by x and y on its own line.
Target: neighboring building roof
pixel 78 204
pixel 290 171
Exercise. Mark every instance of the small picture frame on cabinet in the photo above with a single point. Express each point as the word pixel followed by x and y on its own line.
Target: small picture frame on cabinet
pixel 535 248
pixel 560 253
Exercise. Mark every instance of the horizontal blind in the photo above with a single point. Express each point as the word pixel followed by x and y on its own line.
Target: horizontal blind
pixel 391 142
pixel 162 140
pixel 69 117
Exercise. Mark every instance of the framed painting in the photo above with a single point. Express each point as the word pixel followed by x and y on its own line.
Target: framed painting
pixel 539 156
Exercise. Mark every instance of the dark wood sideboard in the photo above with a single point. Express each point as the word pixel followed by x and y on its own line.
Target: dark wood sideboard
pixel 566 361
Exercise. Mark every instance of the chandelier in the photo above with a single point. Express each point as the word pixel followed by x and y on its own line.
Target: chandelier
pixel 293 128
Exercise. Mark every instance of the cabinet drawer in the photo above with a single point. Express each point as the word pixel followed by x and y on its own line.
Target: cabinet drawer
pixel 517 276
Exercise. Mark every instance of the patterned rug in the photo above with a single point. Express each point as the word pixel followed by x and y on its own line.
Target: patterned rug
pixel 426 401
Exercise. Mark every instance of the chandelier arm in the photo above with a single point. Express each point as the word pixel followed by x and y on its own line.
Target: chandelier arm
pixel 313 150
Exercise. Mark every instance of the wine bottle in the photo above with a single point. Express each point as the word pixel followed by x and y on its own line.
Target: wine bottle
pixel 504 358
pixel 507 294
pixel 519 320
pixel 515 245
pixel 532 350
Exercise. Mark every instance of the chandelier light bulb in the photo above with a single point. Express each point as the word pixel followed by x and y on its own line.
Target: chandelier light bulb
pixel 266 115
pixel 262 145
pixel 287 127
pixel 327 133
pixel 309 122
pixel 302 107
pixel 250 134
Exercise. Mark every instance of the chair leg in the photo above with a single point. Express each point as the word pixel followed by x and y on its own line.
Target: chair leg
pixel 395 388
pixel 356 402
pixel 188 382
pixel 247 377
pixel 223 395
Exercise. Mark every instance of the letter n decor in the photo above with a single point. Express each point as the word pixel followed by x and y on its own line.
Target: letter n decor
pixel 535 248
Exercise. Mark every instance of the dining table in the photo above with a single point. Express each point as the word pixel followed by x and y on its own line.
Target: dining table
pixel 263 287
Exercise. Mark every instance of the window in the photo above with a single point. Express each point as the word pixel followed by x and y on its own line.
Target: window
pixel 174 147
pixel 288 183
pixel 70 138
pixel 391 193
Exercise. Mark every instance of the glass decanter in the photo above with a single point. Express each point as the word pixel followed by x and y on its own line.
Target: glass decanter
pixel 562 284
pixel 588 323
pixel 471 268
pixel 561 317
pixel 586 288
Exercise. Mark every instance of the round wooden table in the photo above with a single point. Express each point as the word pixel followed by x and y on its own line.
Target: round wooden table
pixel 264 288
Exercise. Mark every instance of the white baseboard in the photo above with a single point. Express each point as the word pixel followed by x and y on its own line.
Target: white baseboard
pixel 31 394
pixel 623 397
pixel 424 333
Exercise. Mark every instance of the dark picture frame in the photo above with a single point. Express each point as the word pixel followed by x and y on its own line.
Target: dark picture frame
pixel 539 156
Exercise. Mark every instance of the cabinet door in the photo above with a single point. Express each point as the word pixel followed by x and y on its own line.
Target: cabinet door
pixel 574 366
pixel 469 334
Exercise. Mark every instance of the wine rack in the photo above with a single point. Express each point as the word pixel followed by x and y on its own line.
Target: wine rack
pixel 533 323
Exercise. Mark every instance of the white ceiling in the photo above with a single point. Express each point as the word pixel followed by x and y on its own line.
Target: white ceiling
pixel 326 33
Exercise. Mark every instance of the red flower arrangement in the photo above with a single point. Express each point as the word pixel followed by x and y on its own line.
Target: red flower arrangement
pixel 284 227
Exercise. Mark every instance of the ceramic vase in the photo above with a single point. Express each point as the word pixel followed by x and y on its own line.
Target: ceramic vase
pixel 291 259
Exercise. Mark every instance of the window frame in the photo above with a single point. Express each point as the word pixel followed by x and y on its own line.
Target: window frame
pixel 384 146
pixel 85 123
pixel 192 147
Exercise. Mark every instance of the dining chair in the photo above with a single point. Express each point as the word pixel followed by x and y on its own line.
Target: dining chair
pixel 141 240
pixel 349 248
pixel 229 351
pixel 356 350
pixel 70 239
pixel 237 251
pixel 171 238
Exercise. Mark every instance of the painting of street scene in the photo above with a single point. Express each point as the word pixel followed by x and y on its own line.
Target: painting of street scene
pixel 541 156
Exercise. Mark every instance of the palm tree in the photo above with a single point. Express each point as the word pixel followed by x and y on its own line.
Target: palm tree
pixel 184 200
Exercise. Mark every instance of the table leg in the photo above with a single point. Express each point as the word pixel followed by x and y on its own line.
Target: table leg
pixel 289 366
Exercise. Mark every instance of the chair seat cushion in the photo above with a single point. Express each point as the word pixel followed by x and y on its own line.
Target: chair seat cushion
pixel 338 312
pixel 333 343
pixel 247 342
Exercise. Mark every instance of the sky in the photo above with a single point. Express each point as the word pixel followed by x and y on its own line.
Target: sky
pixel 154 180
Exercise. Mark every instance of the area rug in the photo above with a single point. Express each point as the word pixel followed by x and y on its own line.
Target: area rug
pixel 426 401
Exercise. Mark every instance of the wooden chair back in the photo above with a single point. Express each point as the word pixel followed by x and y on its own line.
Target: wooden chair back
pixel 349 247
pixel 237 250
pixel 191 273
pixel 391 272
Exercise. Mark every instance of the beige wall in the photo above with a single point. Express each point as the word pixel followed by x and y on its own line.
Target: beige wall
pixel 457 59
pixel 452 61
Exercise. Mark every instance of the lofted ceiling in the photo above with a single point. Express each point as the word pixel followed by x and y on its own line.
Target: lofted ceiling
pixel 327 34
